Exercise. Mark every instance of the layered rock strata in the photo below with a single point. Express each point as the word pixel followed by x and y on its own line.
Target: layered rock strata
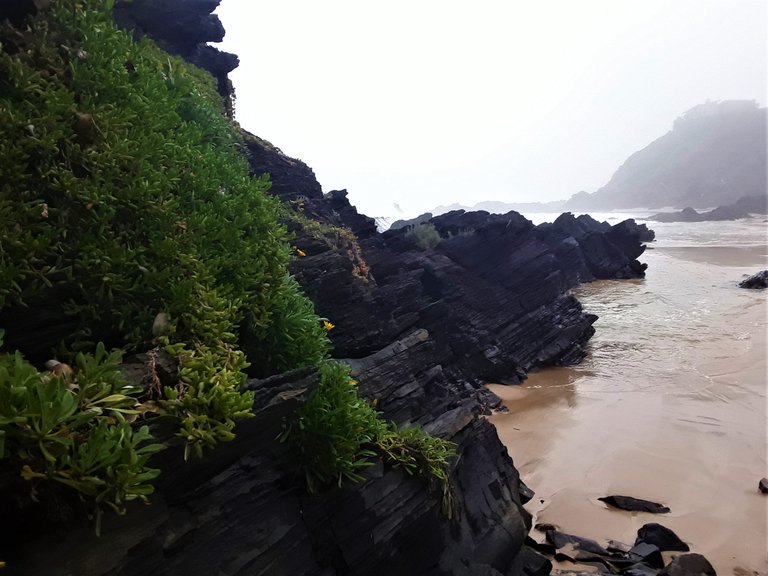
pixel 423 330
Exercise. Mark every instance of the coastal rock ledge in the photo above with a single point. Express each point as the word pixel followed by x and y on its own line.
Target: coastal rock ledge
pixel 424 327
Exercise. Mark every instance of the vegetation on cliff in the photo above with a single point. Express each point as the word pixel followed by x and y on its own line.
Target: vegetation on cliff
pixel 129 221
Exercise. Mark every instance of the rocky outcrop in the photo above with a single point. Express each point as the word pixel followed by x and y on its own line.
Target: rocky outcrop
pixel 181 27
pixel 422 330
pixel 742 208
pixel 241 510
pixel 184 28
pixel 758 280
pixel 492 294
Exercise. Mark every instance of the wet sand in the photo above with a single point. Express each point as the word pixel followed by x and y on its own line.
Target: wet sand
pixel 670 406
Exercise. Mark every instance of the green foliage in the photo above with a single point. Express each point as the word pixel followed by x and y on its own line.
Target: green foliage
pixel 122 191
pixel 71 429
pixel 337 435
pixel 207 398
pixel 296 337
pixel 425 236
pixel 124 198
pixel 335 430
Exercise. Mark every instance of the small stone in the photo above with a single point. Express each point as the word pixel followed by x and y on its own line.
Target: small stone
pixel 689 565
pixel 161 325
pixel 618 547
pixel 526 494
pixel 545 526
pixel 631 504
pixel 763 485
pixel 648 554
pixel 639 569
pixel 533 563
pixel 661 536
pixel 756 281
pixel 561 539
pixel 58 368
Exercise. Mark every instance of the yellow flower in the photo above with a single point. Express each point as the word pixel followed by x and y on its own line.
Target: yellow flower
pixel 352 382
pixel 300 252
pixel 328 326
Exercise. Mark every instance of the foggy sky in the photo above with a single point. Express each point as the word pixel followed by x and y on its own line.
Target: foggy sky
pixel 429 102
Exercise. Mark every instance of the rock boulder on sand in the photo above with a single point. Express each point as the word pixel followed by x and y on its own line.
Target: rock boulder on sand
pixel 689 565
pixel 759 280
pixel 634 504
pixel 560 539
pixel 662 537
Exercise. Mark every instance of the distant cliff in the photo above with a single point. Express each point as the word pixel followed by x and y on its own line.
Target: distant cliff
pixel 714 155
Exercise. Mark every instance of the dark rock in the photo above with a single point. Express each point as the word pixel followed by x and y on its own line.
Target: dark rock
pixel 182 27
pixel 662 537
pixel 689 565
pixel 153 368
pixel 763 485
pixel 616 547
pixel 397 224
pixel 361 226
pixel 572 554
pixel 639 569
pixel 756 281
pixel 526 494
pixel 529 562
pixel 560 539
pixel 730 212
pixel 685 215
pixel 634 504
pixel 757 204
pixel 291 179
pixel 242 501
pixel 542 547
pixel 742 208
pixel 17 10
pixel 648 554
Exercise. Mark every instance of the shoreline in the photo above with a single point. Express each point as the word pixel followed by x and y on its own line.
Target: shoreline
pixel 669 413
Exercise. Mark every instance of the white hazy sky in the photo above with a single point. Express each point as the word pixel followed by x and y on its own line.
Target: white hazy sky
pixel 426 102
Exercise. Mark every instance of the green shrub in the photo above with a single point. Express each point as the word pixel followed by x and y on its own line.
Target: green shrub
pixel 425 236
pixel 338 435
pixel 127 213
pixel 124 199
pixel 295 339
pixel 71 429
pixel 122 192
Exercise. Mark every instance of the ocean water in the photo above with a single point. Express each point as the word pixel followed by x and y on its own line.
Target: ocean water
pixel 669 405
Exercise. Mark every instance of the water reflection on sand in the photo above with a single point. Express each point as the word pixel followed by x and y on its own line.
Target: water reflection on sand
pixel 669 406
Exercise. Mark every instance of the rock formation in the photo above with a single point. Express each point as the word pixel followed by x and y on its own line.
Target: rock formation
pixel 184 28
pixel 756 281
pixel 422 330
pixel 742 208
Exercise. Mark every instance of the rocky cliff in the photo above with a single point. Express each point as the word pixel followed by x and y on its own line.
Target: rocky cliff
pixel 423 329
pixel 714 155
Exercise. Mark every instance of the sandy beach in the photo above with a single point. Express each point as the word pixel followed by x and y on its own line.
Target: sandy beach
pixel 670 406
